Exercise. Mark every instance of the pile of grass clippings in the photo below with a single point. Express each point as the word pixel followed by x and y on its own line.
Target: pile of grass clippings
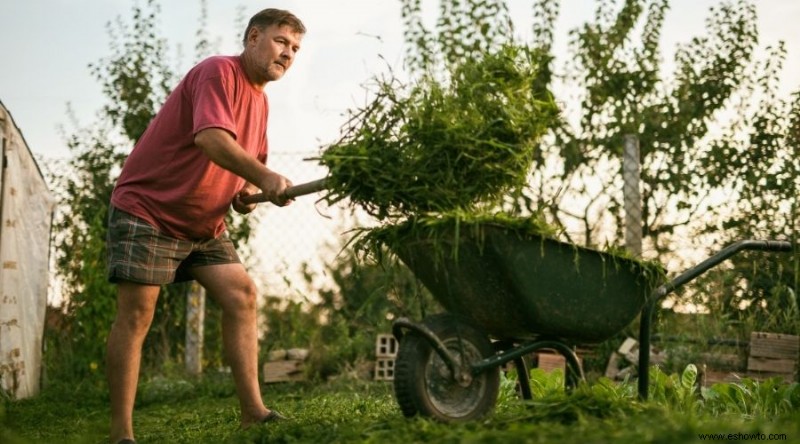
pixel 443 145
pixel 447 227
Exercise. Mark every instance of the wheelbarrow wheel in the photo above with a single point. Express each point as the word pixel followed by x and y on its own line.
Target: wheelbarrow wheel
pixel 424 384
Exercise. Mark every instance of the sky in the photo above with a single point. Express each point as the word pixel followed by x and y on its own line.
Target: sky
pixel 47 46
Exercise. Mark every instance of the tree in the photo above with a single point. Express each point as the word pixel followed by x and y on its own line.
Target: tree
pixel 625 92
pixel 760 291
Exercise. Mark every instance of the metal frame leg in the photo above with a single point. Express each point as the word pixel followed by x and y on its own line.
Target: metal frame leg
pixel 646 318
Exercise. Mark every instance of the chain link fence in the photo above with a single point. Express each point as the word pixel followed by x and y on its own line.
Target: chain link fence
pixel 293 245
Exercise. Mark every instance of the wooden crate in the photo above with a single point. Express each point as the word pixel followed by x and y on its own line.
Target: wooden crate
pixel 284 371
pixel 774 345
pixel 773 355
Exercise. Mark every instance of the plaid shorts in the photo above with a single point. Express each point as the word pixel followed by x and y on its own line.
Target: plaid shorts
pixel 138 252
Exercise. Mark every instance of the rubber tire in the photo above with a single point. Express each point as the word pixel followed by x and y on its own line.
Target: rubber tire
pixel 403 379
pixel 424 385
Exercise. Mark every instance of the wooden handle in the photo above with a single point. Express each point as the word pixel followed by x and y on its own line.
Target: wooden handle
pixel 290 193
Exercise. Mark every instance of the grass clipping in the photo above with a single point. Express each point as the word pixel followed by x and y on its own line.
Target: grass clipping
pixel 447 228
pixel 442 145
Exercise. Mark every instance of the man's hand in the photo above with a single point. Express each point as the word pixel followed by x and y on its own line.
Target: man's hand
pixel 274 186
pixel 223 150
pixel 241 207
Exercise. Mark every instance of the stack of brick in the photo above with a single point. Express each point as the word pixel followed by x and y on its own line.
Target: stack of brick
pixel 385 356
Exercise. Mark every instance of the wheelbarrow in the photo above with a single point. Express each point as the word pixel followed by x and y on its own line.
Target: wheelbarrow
pixel 507 295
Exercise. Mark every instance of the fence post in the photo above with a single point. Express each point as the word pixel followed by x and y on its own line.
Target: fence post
pixel 631 175
pixel 195 315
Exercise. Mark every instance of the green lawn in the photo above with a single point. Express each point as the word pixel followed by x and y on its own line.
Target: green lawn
pixel 176 411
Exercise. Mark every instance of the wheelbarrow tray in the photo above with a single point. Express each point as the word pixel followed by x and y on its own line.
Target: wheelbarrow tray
pixel 517 286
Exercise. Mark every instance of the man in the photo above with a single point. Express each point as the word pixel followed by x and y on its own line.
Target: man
pixel 205 149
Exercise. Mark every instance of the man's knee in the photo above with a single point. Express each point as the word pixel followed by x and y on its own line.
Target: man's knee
pixel 229 285
pixel 246 296
pixel 136 305
pixel 240 298
pixel 135 322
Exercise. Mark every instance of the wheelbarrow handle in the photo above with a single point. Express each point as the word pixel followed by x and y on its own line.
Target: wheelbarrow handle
pixel 290 193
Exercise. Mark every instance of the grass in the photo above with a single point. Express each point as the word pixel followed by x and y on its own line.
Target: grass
pixel 440 144
pixel 350 411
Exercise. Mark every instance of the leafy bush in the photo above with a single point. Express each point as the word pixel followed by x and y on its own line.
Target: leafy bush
pixel 341 328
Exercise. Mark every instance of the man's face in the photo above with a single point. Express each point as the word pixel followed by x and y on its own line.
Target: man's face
pixel 272 51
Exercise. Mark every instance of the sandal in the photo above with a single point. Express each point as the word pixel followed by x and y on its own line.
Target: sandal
pixel 273 416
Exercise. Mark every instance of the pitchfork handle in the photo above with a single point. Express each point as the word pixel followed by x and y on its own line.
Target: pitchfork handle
pixel 290 193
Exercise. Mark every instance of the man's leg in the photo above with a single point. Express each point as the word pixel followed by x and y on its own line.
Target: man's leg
pixel 135 307
pixel 233 289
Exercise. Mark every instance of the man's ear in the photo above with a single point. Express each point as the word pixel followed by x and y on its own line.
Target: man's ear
pixel 252 34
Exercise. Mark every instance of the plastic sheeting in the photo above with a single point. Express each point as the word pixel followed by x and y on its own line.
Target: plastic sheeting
pixel 26 209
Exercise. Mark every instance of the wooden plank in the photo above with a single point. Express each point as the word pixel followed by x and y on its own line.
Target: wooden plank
pixel 760 376
pixel 711 377
pixel 774 345
pixel 283 371
pixel 723 361
pixel 612 368
pixel 757 364
pixel 630 350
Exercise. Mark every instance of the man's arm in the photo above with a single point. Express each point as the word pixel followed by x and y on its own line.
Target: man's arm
pixel 224 151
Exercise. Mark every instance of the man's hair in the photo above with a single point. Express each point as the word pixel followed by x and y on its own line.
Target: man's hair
pixel 271 16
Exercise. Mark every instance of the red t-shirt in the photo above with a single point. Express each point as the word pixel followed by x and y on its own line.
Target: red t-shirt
pixel 167 180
